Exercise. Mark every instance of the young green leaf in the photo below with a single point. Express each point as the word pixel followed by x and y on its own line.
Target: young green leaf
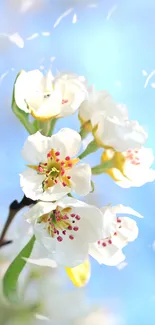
pixel 10 280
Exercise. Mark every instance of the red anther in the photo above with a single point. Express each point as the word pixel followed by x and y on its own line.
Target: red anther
pixel 67 158
pixel 59 238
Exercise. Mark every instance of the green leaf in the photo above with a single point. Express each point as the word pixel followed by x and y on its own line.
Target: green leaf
pixel 21 115
pixel 92 147
pixel 102 168
pixel 10 280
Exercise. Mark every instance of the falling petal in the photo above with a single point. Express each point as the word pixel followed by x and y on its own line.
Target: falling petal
pixel 6 40
pixel 33 36
pixel 74 20
pixel 144 73
pixel 153 85
pixel 52 58
pixel 66 13
pixel 3 75
pixel 45 33
pixel 111 12
pixel 17 39
pixel 148 78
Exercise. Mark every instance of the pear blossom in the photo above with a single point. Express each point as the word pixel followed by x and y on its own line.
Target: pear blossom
pixel 46 97
pixel 100 102
pixel 66 228
pixel 52 171
pixel 119 134
pixel 132 168
pixel 109 122
pixel 116 233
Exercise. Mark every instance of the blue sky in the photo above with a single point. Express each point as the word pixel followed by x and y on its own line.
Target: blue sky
pixel 113 46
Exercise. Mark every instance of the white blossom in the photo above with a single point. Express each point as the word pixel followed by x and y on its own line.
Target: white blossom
pixel 132 168
pixel 109 122
pixel 117 232
pixel 46 97
pixel 66 228
pixel 52 169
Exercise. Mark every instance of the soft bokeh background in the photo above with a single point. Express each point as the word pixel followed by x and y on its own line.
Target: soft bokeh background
pixel 111 43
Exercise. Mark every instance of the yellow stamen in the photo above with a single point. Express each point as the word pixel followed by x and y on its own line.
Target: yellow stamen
pixel 66 210
pixel 33 167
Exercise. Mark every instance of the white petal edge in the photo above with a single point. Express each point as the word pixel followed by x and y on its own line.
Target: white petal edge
pixel 81 179
pixel 122 209
pixel 36 147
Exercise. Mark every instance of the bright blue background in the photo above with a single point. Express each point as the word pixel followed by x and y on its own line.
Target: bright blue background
pixel 111 53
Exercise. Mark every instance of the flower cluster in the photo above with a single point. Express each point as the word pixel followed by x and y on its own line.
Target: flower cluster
pixel 70 230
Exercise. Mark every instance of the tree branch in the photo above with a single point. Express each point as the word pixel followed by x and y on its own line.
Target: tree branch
pixel 14 208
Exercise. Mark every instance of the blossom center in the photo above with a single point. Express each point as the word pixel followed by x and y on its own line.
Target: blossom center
pixel 55 170
pixel 108 241
pixel 133 157
pixel 61 223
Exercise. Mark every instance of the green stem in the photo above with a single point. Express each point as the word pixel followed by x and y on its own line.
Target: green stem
pixel 83 133
pixel 53 122
pixel 92 147
pixel 47 127
pixel 103 168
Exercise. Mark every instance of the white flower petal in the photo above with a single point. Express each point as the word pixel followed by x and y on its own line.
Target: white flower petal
pixel 36 148
pixel 128 230
pixel 43 106
pixel 70 139
pixel 41 262
pixel 136 168
pixel 73 92
pixel 91 223
pixel 139 178
pixel 81 179
pixel 38 210
pixel 118 134
pixel 109 255
pixel 102 103
pixel 28 84
pixel 31 184
pixel 122 209
pixel 68 253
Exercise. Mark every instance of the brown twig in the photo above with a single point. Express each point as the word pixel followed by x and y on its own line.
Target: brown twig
pixel 14 207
